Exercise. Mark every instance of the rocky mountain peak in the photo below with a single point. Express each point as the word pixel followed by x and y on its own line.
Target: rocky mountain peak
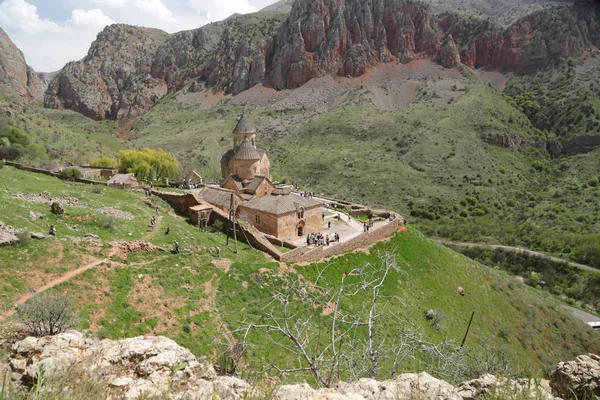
pixel 15 75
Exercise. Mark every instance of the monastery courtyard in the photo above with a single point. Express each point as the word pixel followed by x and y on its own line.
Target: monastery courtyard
pixel 345 226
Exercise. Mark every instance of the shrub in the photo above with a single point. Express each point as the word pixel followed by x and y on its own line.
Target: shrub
pixel 593 182
pixel 10 152
pixel 47 314
pixel 70 174
pixel 96 189
pixel 24 238
pixel 2 164
pixel 108 223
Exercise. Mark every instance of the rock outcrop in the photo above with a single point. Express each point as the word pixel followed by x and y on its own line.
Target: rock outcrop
pixel 150 365
pixel 129 69
pixel 16 77
pixel 158 366
pixel 577 379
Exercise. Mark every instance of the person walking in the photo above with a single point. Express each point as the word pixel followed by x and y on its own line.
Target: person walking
pixel 176 243
pixel 218 249
pixel 52 231
pixel 329 225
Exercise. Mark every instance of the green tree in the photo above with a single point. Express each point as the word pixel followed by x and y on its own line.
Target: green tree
pixel 104 161
pixel 14 135
pixel 148 163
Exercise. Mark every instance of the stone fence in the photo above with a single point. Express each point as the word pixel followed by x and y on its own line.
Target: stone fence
pixel 50 173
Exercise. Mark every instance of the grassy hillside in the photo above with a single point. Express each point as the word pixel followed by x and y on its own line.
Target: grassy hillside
pixel 62 135
pixel 192 297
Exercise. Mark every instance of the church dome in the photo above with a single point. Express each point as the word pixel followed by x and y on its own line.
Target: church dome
pixel 244 126
pixel 247 152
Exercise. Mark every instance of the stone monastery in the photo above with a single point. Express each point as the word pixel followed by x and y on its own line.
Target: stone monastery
pixel 245 174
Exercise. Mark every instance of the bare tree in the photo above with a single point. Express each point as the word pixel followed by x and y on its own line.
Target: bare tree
pixel 347 339
pixel 48 313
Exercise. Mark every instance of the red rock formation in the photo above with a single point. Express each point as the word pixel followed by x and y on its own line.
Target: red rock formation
pixel 347 37
pixel 16 77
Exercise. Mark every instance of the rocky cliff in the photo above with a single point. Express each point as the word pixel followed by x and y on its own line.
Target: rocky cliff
pixel 128 69
pixel 113 81
pixel 16 77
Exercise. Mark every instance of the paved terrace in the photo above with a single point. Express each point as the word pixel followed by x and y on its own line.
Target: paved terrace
pixel 343 224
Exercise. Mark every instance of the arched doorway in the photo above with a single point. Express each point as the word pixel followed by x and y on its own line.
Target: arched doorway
pixel 300 228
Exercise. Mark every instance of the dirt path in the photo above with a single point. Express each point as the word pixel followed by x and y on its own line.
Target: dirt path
pixel 154 232
pixel 515 250
pixel 68 276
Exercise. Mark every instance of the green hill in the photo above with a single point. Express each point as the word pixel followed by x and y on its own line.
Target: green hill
pixel 194 298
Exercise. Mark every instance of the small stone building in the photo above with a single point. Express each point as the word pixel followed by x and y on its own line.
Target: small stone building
pixel 194 178
pixel 245 160
pixel 123 181
pixel 218 197
pixel 88 171
pixel 283 215
pixel 249 188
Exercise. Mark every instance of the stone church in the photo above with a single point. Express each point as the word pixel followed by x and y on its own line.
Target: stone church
pixel 245 172
pixel 244 161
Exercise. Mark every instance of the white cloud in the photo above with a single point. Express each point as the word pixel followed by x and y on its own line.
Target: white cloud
pixel 216 10
pixel 23 15
pixel 93 19
pixel 49 44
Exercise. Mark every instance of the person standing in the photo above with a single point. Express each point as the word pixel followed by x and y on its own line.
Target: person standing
pixel 176 243
pixel 218 249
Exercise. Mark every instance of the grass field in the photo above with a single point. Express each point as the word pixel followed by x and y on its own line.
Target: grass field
pixel 194 298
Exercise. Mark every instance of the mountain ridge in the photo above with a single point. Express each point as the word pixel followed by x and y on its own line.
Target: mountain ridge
pixel 318 37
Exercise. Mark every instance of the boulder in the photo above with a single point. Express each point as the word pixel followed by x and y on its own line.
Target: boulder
pixel 490 386
pixel 91 236
pixel 7 238
pixel 35 216
pixel 577 379
pixel 415 386
pixel 57 208
pixel 37 235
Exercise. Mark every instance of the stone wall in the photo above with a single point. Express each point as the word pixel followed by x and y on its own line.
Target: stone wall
pixel 50 173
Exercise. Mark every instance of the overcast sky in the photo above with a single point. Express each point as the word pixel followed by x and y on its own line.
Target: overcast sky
pixel 53 32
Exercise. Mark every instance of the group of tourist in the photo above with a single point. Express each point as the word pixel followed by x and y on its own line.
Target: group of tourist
pixel 368 225
pixel 317 239
pixel 308 195
pixel 321 239
pixel 148 193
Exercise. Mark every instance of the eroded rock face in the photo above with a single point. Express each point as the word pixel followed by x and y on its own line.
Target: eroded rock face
pixel 151 365
pixel 346 38
pixel 16 77
pixel 577 379
pixel 113 81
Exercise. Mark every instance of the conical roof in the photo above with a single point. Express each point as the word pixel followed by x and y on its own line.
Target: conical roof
pixel 246 152
pixel 244 126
